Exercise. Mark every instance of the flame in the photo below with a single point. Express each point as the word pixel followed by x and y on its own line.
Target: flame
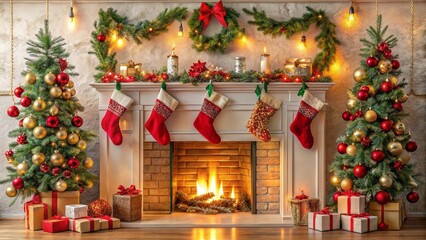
pixel 233 192
pixel 203 187
pixel 264 50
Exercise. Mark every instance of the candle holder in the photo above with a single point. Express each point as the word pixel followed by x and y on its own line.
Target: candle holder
pixel 240 64
pixel 298 67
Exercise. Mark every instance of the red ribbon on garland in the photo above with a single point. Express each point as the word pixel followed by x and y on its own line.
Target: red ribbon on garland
pixel 362 215
pixel 36 200
pixel 206 14
pixel 324 211
pixel 350 194
pixel 128 191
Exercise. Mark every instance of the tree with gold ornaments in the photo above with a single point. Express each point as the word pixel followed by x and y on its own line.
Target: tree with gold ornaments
pixel 48 150
pixel 374 153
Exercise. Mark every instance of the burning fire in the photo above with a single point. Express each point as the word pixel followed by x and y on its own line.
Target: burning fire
pixel 203 187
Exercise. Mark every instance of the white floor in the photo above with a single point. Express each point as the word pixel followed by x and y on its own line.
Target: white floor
pixel 201 220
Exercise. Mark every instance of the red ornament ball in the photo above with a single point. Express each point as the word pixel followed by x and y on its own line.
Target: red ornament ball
pixel 22 139
pixel 346 115
pixel 344 167
pixel 99 208
pixel 101 37
pixel 81 190
pixel 372 61
pixel 382 197
pixel 395 64
pixel 336 196
pixel 386 125
pixel 413 197
pixel 366 141
pixel 382 47
pixel 362 95
pixel 67 173
pixel 56 171
pixel 365 88
pixel 18 92
pixel 341 148
pixel 62 78
pixel 9 153
pixel 410 146
pixel 21 122
pixel 386 86
pixel 25 101
pixel 397 106
pixel 13 111
pixel 358 114
pixel 165 76
pixel 73 163
pixel 129 79
pixel 105 79
pixel 387 53
pixel 360 171
pixel 119 78
pixel 52 121
pixel 18 183
pixel 44 168
pixel 352 118
pixel 77 121
pixel 377 155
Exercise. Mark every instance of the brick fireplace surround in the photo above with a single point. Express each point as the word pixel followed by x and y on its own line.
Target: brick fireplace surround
pixel 283 166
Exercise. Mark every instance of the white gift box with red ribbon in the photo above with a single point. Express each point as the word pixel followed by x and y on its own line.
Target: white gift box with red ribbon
pixel 323 220
pixel 359 223
pixel 351 203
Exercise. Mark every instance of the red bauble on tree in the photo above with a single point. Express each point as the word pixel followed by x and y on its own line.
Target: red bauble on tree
pixel 63 64
pixel 397 106
pixel 411 146
pixel 44 168
pixel 13 111
pixel 336 196
pixel 386 86
pixel 362 95
pixel 358 114
pixel 365 88
pixel 52 121
pixel 386 125
pixel 366 141
pixel 62 78
pixel 73 163
pixel 341 148
pixel 8 153
pixel 18 183
pixel 352 118
pixel 372 61
pixel 395 64
pixel 67 173
pixel 77 121
pixel 18 92
pixel 81 190
pixel 382 47
pixel 387 53
pixel 101 37
pixel 25 101
pixel 344 167
pixel 382 197
pixel 346 115
pixel 21 122
pixel 56 171
pixel 377 155
pixel 413 197
pixel 22 139
pixel 360 171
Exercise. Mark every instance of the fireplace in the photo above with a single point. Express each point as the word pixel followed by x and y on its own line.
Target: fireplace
pixel 150 166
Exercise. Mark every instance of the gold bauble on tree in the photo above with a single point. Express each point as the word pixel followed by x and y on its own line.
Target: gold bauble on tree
pixel 57 159
pixel 403 98
pixel 66 95
pixel 394 80
pixel 335 180
pixel 30 78
pixel 61 134
pixel 62 144
pixel 55 92
pixel 38 158
pixel 49 78
pixel 70 84
pixel 88 163
pixel 385 181
pixel 359 74
pixel 370 116
pixel 72 91
pixel 395 148
pixel 54 110
pixel 358 134
pixel 29 122
pixel 351 103
pixel 61 186
pixel 53 144
pixel 73 139
pixel 81 145
pixel 347 184
pixel 351 150
pixel 89 183
pixel 39 105
pixel 371 90
pixel 22 168
pixel 11 191
pixel 404 157
pixel 398 128
pixel 39 132
pixel 385 66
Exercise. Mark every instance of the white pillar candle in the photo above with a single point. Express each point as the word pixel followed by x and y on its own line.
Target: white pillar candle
pixel 172 63
pixel 265 64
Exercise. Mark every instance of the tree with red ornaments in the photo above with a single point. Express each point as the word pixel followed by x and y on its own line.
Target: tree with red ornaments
pixel 48 148
pixel 373 156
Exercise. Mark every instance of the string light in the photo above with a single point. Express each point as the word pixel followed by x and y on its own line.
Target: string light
pixel 71 23
pixel 302 44
pixel 180 33
pixel 351 13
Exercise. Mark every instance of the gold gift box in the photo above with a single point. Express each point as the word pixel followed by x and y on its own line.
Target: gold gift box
pixel 394 213
pixel 127 207
pixel 130 69
pixel 34 217
pixel 82 225
pixel 301 208
pixel 63 198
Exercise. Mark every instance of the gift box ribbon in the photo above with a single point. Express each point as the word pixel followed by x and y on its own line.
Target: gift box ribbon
pixel 382 225
pixel 132 190
pixel 350 194
pixel 109 219
pixel 324 211
pixel 132 64
pixel 362 215
pixel 91 221
pixel 36 200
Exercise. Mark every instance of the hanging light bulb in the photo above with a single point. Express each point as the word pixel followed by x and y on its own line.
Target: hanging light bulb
pixel 71 23
pixel 302 44
pixel 180 33
pixel 351 13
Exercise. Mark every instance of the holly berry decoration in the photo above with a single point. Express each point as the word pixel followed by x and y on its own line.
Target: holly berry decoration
pixel 382 47
pixel 336 196
pixel 165 76
pixel 119 78
pixel 67 173
pixel 63 64
pixel 387 53
pixel 283 29
pixel 77 121
pixel 395 64
pixel 8 153
pixel 62 78
pixel 129 79
pixel 358 114
pixel 18 183
pixel 13 111
pixel 56 171
pixel 346 115
pixel 377 155
pixel 411 146
pixel 18 91
pixel 22 139
pixel 52 121
pixel 397 106
pixel 73 163
pixel 344 167
pixel 372 61
pixel 360 171
pixel 398 166
pixel 25 101
pixel 44 168
pixel 362 95
pixel 341 148
pixel 386 86
pixel 386 125
pixel 382 197
pixel 413 197
pixel 101 37
pixel 366 141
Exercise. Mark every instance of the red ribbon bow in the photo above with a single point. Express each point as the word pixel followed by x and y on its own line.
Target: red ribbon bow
pixel 128 191
pixel 351 193
pixel 325 210
pixel 206 14
pixel 301 196
pixel 361 215
pixel 58 217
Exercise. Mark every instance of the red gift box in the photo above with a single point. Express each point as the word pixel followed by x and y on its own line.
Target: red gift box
pixel 55 224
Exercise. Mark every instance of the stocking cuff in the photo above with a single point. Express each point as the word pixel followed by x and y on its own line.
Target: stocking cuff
pixel 312 101
pixel 217 99
pixel 271 101
pixel 167 99
pixel 121 99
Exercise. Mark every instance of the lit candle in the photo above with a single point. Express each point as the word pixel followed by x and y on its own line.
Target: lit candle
pixel 172 63
pixel 265 65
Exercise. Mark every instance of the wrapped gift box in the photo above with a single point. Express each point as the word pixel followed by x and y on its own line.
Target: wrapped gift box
pixel 108 222
pixel 393 213
pixel 75 211
pixel 359 223
pixel 56 201
pixel 55 224
pixel 83 225
pixel 127 207
pixel 301 205
pixel 323 221
pixel 34 216
pixel 351 204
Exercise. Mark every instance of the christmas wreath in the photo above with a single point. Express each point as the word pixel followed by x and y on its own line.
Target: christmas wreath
pixel 199 21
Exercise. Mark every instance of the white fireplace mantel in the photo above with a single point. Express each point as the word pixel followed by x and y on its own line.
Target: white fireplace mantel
pixel 300 168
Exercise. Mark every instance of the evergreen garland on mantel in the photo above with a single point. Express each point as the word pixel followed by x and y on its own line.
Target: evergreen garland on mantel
pixel 326 39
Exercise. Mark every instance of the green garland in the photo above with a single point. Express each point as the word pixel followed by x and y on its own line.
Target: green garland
pixel 326 39
pixel 220 41
pixel 110 22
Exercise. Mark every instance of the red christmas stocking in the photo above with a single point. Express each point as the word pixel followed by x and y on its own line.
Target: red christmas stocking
pixel 258 123
pixel 211 108
pixel 118 104
pixel 163 108
pixel 301 126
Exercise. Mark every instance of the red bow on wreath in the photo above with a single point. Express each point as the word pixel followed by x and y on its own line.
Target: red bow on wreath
pixel 206 14
pixel 128 191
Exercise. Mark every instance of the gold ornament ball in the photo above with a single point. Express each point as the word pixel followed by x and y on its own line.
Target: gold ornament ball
pixel 61 186
pixel 399 128
pixel 359 74
pixel 346 184
pixel 394 80
pixel 351 150
pixel 357 135
pixel 62 144
pixel 53 144
pixel 404 98
pixel 395 148
pixel 38 158
pixel 412 182
pixel 351 103
pixel 72 91
pixel 89 183
pixel 11 191
pixel 66 95
pixel 54 110
pixel 335 180
pixel 61 134
pixel 55 92
pixel 370 116
pixel 385 181
pixel 22 168
pixel 39 105
pixel 385 66
pixel 29 122
pixel 64 165
pixel 39 132
pixel 57 159
pixel 73 139
pixel 49 78
pixel 88 163
pixel 81 145
pixel 371 90
pixel 70 84
pixel 404 157
pixel 30 78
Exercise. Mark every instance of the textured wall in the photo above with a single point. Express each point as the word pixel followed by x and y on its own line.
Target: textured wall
pixel 29 18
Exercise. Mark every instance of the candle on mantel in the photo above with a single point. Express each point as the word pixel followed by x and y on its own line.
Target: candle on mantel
pixel 172 63
pixel 265 64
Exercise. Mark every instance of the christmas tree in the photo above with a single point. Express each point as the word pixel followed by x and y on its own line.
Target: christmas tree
pixel 373 155
pixel 49 151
